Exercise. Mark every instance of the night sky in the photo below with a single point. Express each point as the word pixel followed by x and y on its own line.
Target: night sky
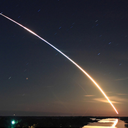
pixel 36 80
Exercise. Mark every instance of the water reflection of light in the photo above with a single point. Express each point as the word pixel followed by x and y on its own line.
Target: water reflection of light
pixel 104 123
pixel 115 123
pixel 98 127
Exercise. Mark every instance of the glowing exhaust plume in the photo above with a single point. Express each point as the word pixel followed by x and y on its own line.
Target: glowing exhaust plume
pixel 64 56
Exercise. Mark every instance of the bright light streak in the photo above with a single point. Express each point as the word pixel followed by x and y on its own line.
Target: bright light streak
pixel 115 123
pixel 66 57
pixel 104 123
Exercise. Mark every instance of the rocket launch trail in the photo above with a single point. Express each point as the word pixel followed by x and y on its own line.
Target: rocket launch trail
pixel 67 58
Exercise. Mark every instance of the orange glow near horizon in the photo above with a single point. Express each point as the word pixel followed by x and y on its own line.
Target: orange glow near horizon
pixel 67 58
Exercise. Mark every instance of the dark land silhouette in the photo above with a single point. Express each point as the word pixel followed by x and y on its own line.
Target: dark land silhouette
pixel 49 121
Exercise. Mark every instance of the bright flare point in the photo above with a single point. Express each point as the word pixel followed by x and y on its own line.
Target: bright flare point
pixel 13 122
pixel 67 58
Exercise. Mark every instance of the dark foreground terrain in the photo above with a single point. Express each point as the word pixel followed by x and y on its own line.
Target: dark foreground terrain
pixel 27 122
pixel 52 122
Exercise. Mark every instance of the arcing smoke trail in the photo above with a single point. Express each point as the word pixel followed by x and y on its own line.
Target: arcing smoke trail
pixel 66 57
